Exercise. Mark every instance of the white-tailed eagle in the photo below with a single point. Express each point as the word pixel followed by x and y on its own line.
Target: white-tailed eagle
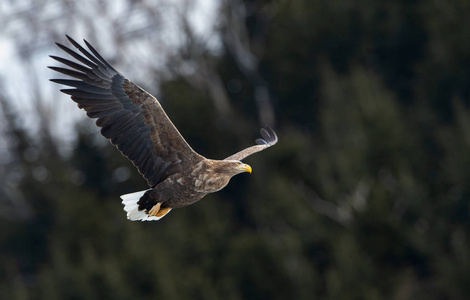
pixel 135 122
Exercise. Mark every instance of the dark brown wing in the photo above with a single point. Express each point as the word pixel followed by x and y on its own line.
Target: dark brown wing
pixel 268 140
pixel 130 117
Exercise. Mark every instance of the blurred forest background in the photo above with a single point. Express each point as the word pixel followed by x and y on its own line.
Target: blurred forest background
pixel 366 195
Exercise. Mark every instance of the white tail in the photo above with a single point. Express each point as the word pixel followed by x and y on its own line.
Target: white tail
pixel 132 208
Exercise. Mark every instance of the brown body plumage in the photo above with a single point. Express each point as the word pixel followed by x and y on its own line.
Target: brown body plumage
pixel 134 121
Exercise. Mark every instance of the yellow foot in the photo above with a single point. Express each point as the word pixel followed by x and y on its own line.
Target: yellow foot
pixel 163 211
pixel 154 210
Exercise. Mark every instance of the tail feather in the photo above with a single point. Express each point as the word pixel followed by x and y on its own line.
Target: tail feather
pixel 132 208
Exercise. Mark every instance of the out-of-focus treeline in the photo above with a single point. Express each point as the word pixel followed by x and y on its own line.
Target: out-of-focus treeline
pixel 366 195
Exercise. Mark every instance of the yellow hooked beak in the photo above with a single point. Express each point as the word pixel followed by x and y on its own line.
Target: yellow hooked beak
pixel 245 167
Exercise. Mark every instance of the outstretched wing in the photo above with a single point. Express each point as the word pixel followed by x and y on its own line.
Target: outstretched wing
pixel 268 140
pixel 131 118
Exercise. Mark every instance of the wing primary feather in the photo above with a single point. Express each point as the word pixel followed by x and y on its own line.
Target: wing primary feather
pixel 102 73
pixel 77 56
pixel 265 134
pixel 86 53
pixel 272 134
pixel 88 95
pixel 100 70
pixel 84 77
pixel 71 64
pixel 97 71
pixel 82 86
pixel 71 73
pixel 269 136
pixel 261 142
pixel 99 56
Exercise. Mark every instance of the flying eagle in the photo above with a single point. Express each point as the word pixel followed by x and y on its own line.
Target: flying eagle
pixel 135 122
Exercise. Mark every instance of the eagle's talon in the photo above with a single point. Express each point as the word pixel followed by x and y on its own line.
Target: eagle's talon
pixel 155 210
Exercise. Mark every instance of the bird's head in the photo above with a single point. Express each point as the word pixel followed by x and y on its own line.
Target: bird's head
pixel 241 167
pixel 219 172
pixel 231 167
